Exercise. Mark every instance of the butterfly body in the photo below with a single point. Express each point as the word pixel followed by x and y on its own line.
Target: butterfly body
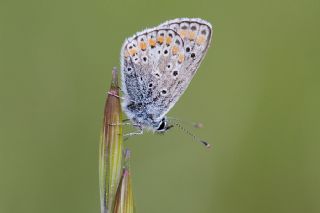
pixel 157 66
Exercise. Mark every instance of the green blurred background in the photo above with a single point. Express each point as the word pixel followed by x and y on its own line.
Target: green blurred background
pixel 256 92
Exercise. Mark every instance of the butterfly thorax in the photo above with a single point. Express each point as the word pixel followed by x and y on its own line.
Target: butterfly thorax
pixel 139 114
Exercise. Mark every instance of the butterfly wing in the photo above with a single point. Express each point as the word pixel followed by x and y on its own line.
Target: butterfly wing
pixel 196 35
pixel 158 64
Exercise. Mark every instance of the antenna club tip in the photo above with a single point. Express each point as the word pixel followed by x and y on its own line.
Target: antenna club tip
pixel 206 144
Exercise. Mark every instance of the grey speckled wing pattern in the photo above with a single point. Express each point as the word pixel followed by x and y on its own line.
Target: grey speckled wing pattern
pixel 157 66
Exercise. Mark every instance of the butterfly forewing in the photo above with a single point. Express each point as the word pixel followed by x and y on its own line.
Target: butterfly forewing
pixel 196 34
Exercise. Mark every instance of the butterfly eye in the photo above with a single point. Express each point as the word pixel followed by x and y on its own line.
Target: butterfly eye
pixel 162 125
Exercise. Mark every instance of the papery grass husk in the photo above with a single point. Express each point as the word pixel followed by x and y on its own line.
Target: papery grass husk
pixel 111 148
pixel 124 197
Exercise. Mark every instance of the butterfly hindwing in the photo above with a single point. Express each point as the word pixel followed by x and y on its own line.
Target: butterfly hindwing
pixel 147 59
pixel 158 64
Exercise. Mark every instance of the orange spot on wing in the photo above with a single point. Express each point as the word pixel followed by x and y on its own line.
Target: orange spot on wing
pixel 143 45
pixel 201 39
pixel 192 35
pixel 160 39
pixel 168 40
pixel 181 58
pixel 132 51
pixel 126 54
pixel 175 50
pixel 182 33
pixel 152 42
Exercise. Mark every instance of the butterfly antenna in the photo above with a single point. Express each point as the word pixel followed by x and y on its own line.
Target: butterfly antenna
pixel 197 125
pixel 195 138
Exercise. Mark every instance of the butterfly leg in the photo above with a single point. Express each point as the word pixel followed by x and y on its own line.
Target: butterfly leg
pixel 122 124
pixel 110 93
pixel 122 98
pixel 139 132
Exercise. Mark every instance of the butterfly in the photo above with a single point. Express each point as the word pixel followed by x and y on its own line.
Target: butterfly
pixel 157 65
